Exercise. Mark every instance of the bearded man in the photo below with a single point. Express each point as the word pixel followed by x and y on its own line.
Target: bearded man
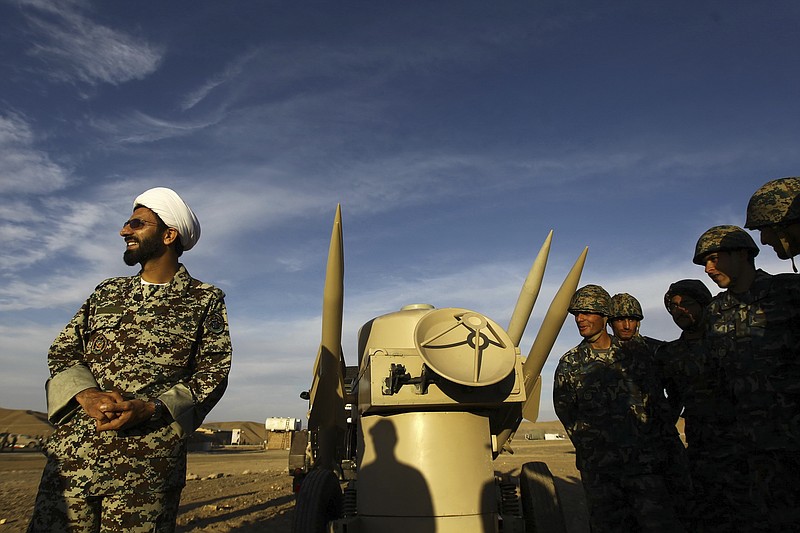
pixel 132 375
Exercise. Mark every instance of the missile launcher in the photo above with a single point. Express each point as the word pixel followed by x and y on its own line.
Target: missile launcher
pixel 404 440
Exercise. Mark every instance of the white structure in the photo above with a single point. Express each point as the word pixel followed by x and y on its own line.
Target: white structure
pixel 283 424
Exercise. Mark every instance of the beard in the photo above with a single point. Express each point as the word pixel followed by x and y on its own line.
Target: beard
pixel 149 248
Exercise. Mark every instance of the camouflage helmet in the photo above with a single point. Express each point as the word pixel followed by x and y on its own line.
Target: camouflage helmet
pixel 590 299
pixel 688 287
pixel 723 239
pixel 776 202
pixel 625 305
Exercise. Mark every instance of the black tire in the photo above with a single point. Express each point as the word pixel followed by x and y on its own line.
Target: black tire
pixel 318 502
pixel 540 505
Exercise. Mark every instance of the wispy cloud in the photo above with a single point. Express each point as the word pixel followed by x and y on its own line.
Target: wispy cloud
pixel 231 72
pixel 138 127
pixel 77 49
pixel 23 167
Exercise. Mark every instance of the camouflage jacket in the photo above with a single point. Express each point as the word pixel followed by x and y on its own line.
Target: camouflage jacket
pixel 173 344
pixel 653 344
pixel 692 386
pixel 614 409
pixel 754 339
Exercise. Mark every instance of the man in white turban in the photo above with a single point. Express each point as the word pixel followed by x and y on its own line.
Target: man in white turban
pixel 173 211
pixel 133 374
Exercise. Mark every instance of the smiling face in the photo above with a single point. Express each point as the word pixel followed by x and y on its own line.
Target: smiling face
pixel 590 324
pixel 144 243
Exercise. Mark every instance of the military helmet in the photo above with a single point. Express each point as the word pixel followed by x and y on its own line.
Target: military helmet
pixel 723 239
pixel 776 202
pixel 625 305
pixel 590 299
pixel 688 287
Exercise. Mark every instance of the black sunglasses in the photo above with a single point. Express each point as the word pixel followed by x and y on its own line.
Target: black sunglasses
pixel 136 223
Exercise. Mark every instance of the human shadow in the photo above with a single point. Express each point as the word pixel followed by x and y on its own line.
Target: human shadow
pixel 390 488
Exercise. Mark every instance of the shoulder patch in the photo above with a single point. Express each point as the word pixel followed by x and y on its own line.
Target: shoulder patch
pixel 215 323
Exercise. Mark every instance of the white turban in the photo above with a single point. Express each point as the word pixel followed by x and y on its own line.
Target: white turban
pixel 173 211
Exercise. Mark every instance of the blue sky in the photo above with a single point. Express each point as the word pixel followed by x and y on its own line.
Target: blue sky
pixel 455 134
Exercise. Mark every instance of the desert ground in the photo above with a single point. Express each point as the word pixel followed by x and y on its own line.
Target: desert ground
pixel 247 489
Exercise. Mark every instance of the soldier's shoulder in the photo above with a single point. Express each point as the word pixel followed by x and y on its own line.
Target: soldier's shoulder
pixel 112 283
pixel 654 344
pixel 787 279
pixel 571 356
pixel 208 288
pixel 720 300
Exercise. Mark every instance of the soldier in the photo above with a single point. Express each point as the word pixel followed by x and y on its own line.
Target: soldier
pixel 609 400
pixel 683 359
pixel 774 210
pixel 754 342
pixel 690 384
pixel 625 319
pixel 133 374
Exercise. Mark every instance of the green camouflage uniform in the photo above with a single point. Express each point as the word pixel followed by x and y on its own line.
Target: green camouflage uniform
pixel 652 344
pixel 628 450
pixel 693 389
pixel 168 342
pixel 754 339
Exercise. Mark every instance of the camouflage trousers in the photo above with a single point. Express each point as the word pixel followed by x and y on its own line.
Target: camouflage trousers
pixel 753 491
pixel 721 500
pixel 774 487
pixel 631 503
pixel 134 513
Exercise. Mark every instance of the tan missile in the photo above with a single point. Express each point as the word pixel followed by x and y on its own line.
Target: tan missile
pixel 509 417
pixel 529 293
pixel 548 332
pixel 327 388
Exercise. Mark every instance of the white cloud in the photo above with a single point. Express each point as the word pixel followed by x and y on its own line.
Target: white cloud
pixel 139 127
pixel 230 73
pixel 23 167
pixel 76 49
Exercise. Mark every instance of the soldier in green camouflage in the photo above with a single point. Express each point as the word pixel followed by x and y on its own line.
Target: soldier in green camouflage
pixel 774 210
pixel 692 392
pixel 754 341
pixel 625 320
pixel 612 406
pixel 133 374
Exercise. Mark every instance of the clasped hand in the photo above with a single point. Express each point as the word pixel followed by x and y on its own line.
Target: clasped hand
pixel 111 411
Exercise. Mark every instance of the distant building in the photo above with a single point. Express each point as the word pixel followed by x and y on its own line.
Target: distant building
pixel 280 432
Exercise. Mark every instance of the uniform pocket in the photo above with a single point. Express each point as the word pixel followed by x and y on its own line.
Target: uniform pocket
pixel 171 344
pixel 102 334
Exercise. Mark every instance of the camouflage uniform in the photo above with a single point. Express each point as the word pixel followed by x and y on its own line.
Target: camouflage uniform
pixel 629 453
pixel 754 340
pixel 624 305
pixel 652 344
pixel 692 386
pixel 167 342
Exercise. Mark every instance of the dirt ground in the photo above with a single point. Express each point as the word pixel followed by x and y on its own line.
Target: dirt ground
pixel 248 490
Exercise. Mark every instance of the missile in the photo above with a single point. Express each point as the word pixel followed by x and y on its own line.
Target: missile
pixel 548 332
pixel 509 417
pixel 529 293
pixel 327 413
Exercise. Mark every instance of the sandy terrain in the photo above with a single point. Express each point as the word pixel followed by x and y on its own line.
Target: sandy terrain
pixel 248 489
